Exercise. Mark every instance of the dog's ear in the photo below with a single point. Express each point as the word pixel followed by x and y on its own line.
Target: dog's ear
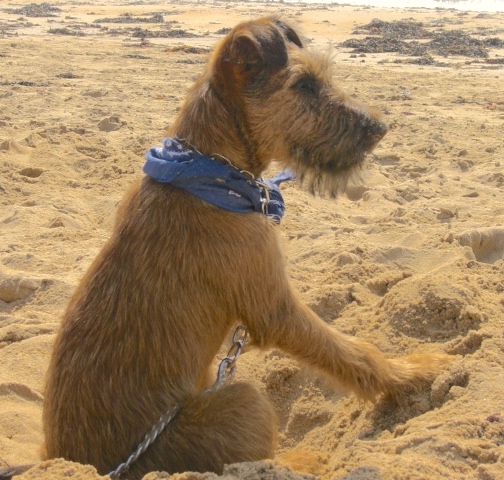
pixel 247 54
pixel 261 50
pixel 253 51
pixel 289 33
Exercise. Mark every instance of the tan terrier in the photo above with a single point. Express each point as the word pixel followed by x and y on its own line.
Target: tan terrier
pixel 182 268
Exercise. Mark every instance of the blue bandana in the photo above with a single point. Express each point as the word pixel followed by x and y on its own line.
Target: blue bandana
pixel 220 184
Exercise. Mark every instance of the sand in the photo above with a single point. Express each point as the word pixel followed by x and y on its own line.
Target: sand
pixel 412 259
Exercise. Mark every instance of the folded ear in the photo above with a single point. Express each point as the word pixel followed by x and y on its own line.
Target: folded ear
pixel 247 54
pixel 251 51
pixel 289 33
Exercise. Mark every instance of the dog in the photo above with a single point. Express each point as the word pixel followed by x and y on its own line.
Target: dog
pixel 194 251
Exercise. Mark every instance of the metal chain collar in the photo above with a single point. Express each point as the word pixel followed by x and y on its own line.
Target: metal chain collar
pixel 225 372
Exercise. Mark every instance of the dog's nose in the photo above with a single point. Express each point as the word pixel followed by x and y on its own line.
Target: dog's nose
pixel 377 130
pixel 372 129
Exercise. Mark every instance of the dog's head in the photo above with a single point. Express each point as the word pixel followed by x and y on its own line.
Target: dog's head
pixel 287 107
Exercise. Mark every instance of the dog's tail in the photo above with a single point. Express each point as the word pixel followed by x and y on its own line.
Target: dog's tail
pixel 8 473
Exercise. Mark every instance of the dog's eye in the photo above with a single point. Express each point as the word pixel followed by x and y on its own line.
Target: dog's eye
pixel 306 85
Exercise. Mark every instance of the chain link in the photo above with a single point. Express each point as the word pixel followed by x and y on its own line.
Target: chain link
pixel 149 438
pixel 225 372
pixel 227 366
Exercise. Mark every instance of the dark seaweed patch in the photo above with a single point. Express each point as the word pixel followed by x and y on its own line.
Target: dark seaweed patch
pixel 401 37
pixel 188 49
pixel 172 33
pixel 69 75
pixel 35 10
pixel 403 28
pixel 66 31
pixel 223 31
pixel 128 18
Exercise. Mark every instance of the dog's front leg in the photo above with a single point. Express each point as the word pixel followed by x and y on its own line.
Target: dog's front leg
pixel 357 365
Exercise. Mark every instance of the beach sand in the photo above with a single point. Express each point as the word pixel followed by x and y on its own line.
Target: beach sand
pixel 411 259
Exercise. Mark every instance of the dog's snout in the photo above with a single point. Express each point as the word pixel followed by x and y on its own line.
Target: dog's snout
pixel 372 129
pixel 378 129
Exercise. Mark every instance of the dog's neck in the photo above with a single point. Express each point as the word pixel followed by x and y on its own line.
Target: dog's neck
pixel 221 128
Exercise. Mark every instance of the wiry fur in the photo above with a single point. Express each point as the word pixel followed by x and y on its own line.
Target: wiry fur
pixel 155 306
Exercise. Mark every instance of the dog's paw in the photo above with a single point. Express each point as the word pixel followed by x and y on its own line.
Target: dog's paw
pixel 415 371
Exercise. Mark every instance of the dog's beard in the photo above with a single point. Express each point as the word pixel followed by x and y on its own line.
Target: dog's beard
pixel 324 177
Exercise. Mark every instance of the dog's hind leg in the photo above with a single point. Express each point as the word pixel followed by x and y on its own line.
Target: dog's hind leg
pixel 235 423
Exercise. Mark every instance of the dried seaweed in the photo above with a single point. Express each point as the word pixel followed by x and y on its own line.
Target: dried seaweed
pixel 174 33
pixel 66 31
pixel 35 10
pixel 127 18
pixel 403 28
pixel 398 37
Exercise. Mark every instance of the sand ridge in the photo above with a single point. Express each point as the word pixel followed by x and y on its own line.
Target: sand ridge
pixel 411 259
